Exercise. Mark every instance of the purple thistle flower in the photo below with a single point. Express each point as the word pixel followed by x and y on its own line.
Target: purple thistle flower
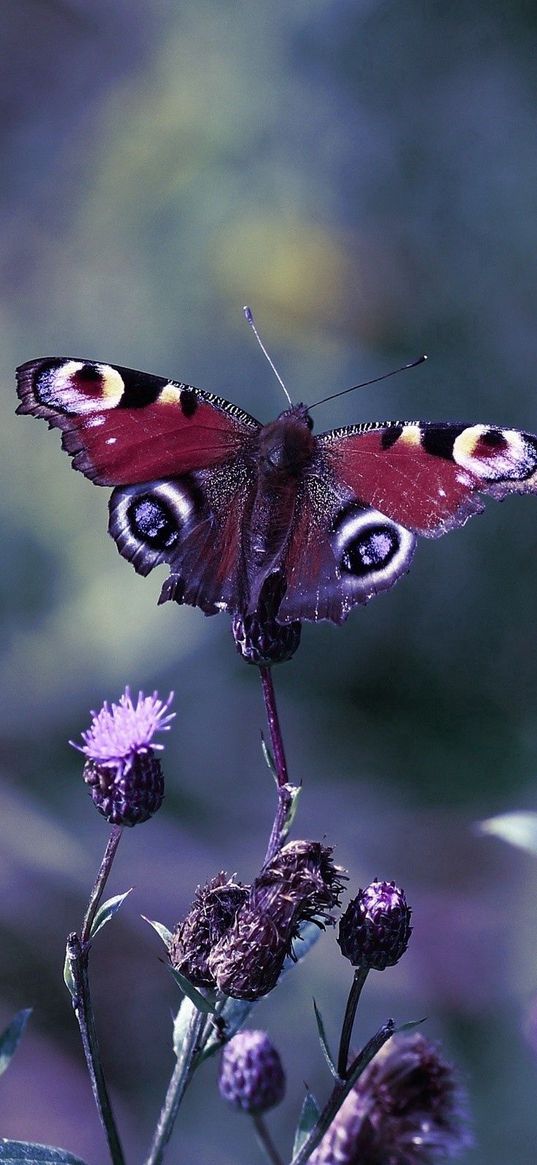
pixel 407 1108
pixel 124 775
pixel 251 1074
pixel 121 732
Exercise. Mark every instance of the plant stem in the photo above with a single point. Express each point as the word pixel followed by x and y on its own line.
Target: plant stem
pixel 341 1091
pixel 78 961
pixel 265 1140
pixel 360 976
pixel 285 795
pixel 179 1081
pixel 100 882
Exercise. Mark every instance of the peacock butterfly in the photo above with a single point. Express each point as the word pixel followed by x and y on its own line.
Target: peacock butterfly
pixel 233 506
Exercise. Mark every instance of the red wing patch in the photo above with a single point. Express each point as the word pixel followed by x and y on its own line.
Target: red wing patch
pixel 428 476
pixel 122 427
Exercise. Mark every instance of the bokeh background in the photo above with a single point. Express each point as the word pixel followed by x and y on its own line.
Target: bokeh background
pixel 364 173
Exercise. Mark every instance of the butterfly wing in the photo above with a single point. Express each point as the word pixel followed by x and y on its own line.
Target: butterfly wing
pixel 373 487
pixel 429 476
pixel 122 427
pixel 179 457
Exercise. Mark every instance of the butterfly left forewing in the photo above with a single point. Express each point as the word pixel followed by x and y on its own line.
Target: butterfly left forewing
pixel 123 427
pixel 429 476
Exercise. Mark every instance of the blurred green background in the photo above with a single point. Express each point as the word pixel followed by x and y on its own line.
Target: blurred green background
pixel 364 174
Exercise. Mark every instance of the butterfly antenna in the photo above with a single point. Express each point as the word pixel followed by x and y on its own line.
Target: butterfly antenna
pixel 250 319
pixel 375 380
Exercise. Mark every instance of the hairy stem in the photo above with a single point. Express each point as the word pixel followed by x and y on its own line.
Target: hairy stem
pixel 77 955
pixel 265 1140
pixel 100 882
pixel 360 976
pixel 180 1078
pixel 285 795
pixel 341 1091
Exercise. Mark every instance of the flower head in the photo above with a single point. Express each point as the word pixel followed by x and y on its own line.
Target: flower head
pixel 251 1073
pixel 375 928
pixel 258 636
pixel 407 1108
pixel 300 884
pixel 119 733
pixel 122 771
pixel 211 914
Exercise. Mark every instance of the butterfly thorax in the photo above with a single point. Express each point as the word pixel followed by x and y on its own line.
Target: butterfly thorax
pixel 286 445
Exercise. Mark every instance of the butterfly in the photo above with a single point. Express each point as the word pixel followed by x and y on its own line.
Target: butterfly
pixel 236 508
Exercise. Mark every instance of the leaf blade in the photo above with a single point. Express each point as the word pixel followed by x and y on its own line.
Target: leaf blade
pixel 27 1153
pixel 11 1036
pixel 107 910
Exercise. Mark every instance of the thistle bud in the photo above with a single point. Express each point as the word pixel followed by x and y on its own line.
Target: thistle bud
pixel 259 638
pixel 251 1074
pixel 375 928
pixel 122 771
pixel 211 914
pixel 406 1108
pixel 300 884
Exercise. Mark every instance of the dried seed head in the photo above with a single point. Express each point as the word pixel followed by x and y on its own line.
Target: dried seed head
pixel 300 884
pixel 375 928
pixel 407 1108
pixel 259 638
pixel 211 914
pixel 251 1073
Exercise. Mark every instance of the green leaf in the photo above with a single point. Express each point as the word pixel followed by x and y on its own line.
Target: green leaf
pixel 268 756
pixel 233 1015
pixel 294 793
pixel 308 1119
pixel 68 977
pixel 181 1024
pixel 162 931
pixel 324 1042
pixel 19 1152
pixel 11 1035
pixel 203 1003
pixel 107 911
pixel 519 829
pixel 409 1026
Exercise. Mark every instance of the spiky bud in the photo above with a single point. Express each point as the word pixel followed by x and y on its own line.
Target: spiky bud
pixel 259 638
pixel 375 928
pixel 251 1074
pixel 300 884
pixel 122 771
pixel 211 914
pixel 407 1108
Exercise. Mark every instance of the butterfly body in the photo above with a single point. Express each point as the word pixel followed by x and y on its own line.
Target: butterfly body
pixel 240 510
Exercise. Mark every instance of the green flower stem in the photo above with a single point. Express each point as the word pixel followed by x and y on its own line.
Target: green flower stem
pixel 265 1140
pixel 285 798
pixel 78 962
pixel 360 976
pixel 341 1091
pixel 100 882
pixel 179 1081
